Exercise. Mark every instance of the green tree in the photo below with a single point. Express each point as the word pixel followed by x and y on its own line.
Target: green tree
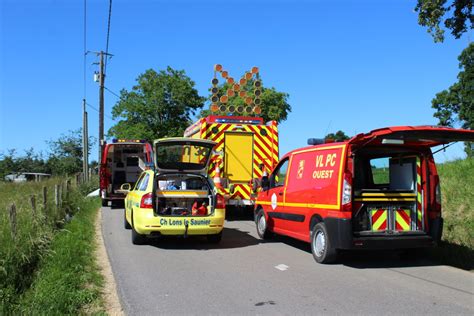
pixel 455 105
pixel 274 104
pixel 339 136
pixel 30 162
pixel 456 16
pixel 66 153
pixel 160 105
pixel 8 163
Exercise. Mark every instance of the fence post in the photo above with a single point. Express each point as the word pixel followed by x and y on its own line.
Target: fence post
pixel 56 195
pixel 12 212
pixel 45 197
pixel 33 205
pixel 62 193
pixel 68 188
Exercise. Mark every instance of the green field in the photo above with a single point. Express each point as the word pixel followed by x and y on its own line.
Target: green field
pixel 49 241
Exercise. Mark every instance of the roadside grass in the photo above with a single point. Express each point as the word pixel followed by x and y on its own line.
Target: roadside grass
pixel 457 246
pixel 24 249
pixel 68 280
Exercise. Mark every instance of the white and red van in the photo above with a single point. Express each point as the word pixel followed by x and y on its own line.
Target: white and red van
pixel 378 190
pixel 123 160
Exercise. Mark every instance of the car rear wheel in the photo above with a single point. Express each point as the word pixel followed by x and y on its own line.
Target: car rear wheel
pixel 215 239
pixel 262 225
pixel 137 238
pixel 125 223
pixel 321 246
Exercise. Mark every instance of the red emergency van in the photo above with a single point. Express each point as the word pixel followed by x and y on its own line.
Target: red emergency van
pixel 123 160
pixel 378 190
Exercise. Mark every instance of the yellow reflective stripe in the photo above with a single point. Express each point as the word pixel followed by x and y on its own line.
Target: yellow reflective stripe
pixel 388 199
pixel 303 205
pixel 319 148
pixel 389 194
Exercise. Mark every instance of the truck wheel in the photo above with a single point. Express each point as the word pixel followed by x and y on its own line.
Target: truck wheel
pixel 215 239
pixel 126 224
pixel 262 226
pixel 105 203
pixel 320 245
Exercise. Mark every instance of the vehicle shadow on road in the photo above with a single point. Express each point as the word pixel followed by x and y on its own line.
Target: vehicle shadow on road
pixel 119 204
pixel 231 238
pixel 364 259
pixel 382 259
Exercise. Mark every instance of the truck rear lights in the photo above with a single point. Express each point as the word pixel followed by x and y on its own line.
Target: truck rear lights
pixel 147 201
pixel 220 201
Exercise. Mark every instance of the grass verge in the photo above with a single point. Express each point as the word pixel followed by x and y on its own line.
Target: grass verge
pixel 68 280
pixel 457 246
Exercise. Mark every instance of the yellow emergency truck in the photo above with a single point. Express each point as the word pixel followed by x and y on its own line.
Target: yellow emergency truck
pixel 247 147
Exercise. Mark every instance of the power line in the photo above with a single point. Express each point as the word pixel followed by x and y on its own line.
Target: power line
pixel 97 110
pixel 108 35
pixel 115 94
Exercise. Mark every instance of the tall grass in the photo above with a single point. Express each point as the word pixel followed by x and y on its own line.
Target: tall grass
pixel 457 192
pixel 69 281
pixel 20 253
pixel 457 246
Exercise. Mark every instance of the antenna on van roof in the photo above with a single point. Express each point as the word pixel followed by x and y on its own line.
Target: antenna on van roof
pixel 327 128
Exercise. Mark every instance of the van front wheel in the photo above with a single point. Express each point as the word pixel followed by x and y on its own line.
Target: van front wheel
pixel 321 246
pixel 262 225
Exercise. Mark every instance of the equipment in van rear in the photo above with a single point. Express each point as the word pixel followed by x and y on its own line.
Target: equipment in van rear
pixel 378 190
pixel 122 162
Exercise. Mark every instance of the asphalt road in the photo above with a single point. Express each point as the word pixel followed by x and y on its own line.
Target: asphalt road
pixel 244 275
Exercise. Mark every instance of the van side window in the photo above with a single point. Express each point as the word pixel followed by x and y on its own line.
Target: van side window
pixel 279 175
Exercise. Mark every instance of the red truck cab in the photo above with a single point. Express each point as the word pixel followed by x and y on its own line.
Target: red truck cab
pixel 378 190
pixel 122 162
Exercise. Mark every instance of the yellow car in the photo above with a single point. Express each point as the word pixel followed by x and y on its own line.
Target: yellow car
pixel 178 197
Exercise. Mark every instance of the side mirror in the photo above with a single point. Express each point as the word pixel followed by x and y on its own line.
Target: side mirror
pixel 255 183
pixel 265 183
pixel 125 187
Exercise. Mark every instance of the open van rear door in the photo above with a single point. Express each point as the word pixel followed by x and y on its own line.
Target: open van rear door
pixel 426 136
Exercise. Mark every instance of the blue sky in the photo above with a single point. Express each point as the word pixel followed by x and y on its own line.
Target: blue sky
pixel 347 65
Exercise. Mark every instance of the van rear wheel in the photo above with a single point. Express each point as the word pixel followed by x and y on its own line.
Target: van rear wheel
pixel 262 225
pixel 321 246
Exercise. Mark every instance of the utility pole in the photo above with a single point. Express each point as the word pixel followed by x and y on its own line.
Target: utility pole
pixel 85 143
pixel 101 103
pixel 102 55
